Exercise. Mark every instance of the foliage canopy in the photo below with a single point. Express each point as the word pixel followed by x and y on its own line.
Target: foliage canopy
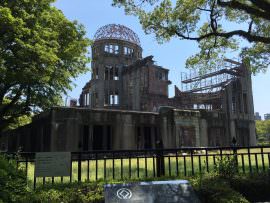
pixel 40 52
pixel 217 25
pixel 263 131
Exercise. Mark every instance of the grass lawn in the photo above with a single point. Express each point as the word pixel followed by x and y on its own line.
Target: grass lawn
pixel 141 167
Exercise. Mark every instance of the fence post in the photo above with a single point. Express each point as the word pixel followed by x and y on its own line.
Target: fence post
pixel 234 146
pixel 192 162
pixel 79 167
pixel 160 160
pixel 35 182
pixel 70 175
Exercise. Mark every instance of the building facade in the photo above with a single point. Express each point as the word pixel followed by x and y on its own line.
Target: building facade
pixel 267 116
pixel 115 47
pixel 125 105
pixel 258 116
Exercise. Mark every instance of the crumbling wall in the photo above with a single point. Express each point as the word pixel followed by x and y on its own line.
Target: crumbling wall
pixel 145 86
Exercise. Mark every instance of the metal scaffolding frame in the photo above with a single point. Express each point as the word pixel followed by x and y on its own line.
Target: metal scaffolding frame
pixel 211 80
pixel 205 88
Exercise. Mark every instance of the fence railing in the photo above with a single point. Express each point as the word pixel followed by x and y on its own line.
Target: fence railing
pixel 143 164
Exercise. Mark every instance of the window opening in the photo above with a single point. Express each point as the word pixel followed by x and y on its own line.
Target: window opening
pixel 116 73
pixel 111 73
pixel 111 99
pixel 128 51
pixel 114 99
pixel 161 75
pixel 111 48
pixel 97 137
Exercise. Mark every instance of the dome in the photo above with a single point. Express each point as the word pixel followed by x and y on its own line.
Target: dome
pixel 114 31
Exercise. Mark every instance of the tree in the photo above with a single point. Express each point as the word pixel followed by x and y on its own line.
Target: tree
pixel 263 131
pixel 40 52
pixel 217 25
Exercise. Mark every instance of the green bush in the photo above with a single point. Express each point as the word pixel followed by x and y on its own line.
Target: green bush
pixel 255 187
pixel 226 167
pixel 221 187
pixel 12 182
pixel 13 188
pixel 72 193
pixel 214 189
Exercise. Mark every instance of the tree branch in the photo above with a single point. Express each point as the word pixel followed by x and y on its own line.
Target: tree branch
pixel 204 9
pixel 5 122
pixel 243 7
pixel 262 4
pixel 5 108
pixel 250 26
pixel 213 17
pixel 227 35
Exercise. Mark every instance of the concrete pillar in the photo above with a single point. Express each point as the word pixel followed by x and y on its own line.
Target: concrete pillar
pixel 252 134
pixel 203 133
pixel 128 137
pixel 163 130
pixel 232 130
pixel 177 136
pixel 197 132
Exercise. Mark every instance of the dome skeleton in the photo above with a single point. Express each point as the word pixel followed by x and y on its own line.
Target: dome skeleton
pixel 115 31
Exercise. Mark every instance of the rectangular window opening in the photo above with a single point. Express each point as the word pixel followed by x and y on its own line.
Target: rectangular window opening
pixel 97 137
pixel 114 99
pixel 108 72
pixel 111 73
pixel 116 73
pixel 128 51
pixel 111 48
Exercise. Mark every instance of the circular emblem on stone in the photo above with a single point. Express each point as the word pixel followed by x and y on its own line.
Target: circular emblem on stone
pixel 124 193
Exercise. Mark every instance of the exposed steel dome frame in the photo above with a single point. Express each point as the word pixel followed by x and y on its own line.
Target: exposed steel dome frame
pixel 116 31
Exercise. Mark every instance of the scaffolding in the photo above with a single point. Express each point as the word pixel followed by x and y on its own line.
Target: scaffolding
pixel 211 80
pixel 204 89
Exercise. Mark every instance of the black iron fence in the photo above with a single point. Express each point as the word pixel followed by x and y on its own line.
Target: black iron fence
pixel 143 164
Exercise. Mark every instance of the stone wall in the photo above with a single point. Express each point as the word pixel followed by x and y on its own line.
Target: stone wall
pixel 84 129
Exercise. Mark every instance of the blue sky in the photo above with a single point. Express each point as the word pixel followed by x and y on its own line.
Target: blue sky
pixel 172 55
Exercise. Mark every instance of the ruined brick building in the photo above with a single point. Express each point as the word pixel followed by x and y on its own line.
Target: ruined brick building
pixel 126 105
pixel 121 78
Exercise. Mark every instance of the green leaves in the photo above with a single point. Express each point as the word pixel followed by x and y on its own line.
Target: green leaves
pixel 263 131
pixel 40 52
pixel 258 55
pixel 212 53
pixel 218 26
pixel 260 128
pixel 12 182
